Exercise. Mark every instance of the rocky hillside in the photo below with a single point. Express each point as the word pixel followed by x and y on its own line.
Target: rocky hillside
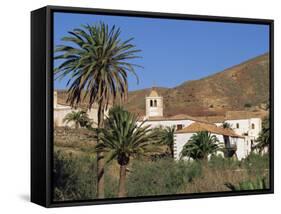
pixel 241 87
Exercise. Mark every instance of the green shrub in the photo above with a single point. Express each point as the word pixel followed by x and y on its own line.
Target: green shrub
pixel 219 162
pixel 160 177
pixel 73 177
pixel 249 185
pixel 247 105
pixel 257 164
pixel 111 184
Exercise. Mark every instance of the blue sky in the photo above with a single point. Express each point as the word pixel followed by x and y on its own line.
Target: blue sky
pixel 174 51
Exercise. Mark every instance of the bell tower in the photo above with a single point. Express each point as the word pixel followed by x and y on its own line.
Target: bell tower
pixel 154 104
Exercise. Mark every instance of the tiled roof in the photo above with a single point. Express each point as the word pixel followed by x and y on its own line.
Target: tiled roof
pixel 198 127
pixel 213 119
pixel 235 115
pixel 176 117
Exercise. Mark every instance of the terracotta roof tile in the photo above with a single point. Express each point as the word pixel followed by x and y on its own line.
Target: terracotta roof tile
pixel 198 127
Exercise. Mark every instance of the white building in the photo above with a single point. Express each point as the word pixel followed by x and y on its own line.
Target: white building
pixel 245 127
pixel 225 136
pixel 154 104
pixel 61 110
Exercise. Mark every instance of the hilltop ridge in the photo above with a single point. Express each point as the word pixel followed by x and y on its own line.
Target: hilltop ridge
pixel 241 87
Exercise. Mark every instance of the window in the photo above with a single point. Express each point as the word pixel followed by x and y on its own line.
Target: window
pixel 179 126
pixel 155 103
pixel 151 103
pixel 253 126
pixel 237 125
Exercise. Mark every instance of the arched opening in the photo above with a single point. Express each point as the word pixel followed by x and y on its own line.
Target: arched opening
pixel 253 126
pixel 237 125
pixel 155 103
pixel 151 103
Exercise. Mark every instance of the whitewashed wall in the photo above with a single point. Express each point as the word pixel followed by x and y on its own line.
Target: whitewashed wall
pixel 59 114
pixel 169 123
pixel 181 139
pixel 243 148
pixel 245 126
pixel 152 111
pixel 61 111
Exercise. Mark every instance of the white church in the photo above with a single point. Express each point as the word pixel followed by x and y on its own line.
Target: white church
pixel 245 127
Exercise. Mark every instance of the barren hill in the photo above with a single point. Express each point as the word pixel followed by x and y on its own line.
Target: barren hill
pixel 241 87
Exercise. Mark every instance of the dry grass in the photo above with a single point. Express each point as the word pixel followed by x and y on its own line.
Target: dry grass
pixel 74 140
pixel 212 177
pixel 213 180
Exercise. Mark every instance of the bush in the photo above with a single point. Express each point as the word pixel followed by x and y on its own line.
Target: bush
pixel 249 185
pixel 73 177
pixel 247 105
pixel 257 164
pixel 219 162
pixel 160 177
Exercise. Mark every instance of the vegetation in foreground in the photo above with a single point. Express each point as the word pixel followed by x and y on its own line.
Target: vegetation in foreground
pixel 75 175
pixel 134 167
pixel 97 60
pixel 122 139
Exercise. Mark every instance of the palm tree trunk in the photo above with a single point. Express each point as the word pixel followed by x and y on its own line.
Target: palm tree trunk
pixel 172 150
pixel 100 159
pixel 122 181
pixel 226 146
pixel 76 125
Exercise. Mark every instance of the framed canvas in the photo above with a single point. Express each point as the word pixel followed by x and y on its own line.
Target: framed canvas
pixel 131 106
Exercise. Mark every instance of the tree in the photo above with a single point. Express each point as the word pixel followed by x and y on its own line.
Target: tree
pixel 200 145
pixel 226 125
pixel 97 65
pixel 228 151
pixel 264 137
pixel 80 119
pixel 166 137
pixel 122 138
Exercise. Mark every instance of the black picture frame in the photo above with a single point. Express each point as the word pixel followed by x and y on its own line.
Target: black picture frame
pixel 42 100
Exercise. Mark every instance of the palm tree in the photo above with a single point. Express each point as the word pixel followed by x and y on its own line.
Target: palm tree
pixel 200 145
pixel 97 65
pixel 80 119
pixel 226 125
pixel 122 139
pixel 166 137
pixel 264 136
pixel 228 151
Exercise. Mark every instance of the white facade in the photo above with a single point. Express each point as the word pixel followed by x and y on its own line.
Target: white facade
pixel 154 105
pixel 60 111
pixel 182 138
pixel 169 123
pixel 248 129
